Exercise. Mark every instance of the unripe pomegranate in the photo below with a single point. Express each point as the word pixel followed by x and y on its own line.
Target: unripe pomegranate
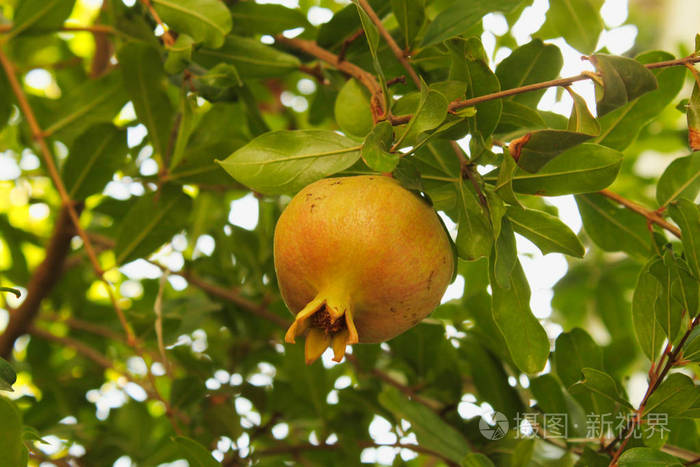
pixel 359 259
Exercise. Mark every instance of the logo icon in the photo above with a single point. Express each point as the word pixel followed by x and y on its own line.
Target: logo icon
pixel 493 429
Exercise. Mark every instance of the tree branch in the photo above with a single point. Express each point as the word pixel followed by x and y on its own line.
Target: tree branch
pixel 364 77
pixel 456 105
pixel 652 216
pixel 81 348
pixel 390 40
pixel 41 283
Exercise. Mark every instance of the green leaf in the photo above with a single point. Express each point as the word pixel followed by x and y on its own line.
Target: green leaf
pixel 675 395
pixel 530 63
pixel 526 338
pixel 93 159
pixel 551 399
pixel 150 222
pixel 602 386
pixel 96 101
pixel 206 21
pixel 614 228
pixel 504 184
pixel 346 22
pixel 693 117
pixel 691 349
pixel 7 376
pixel 431 430
pixel 196 454
pixel 647 329
pixel 475 234
pixel 459 17
pixel 431 112
pixel 624 79
pixel 251 18
pixel 476 460
pixel 647 457
pixel 251 58
pixel 577 21
pixel 375 149
pixel 581 120
pixel 581 169
pixel 681 179
pixel 179 54
pixel 505 255
pixel 489 377
pixel 516 116
pixel 667 309
pixel 544 145
pixel 40 15
pixel 143 75
pixel 687 216
pixel 11 445
pixel 372 37
pixel 220 83
pixel 286 161
pixel 352 110
pixel 546 231
pixel 574 351
pixel 410 15
pixel 620 127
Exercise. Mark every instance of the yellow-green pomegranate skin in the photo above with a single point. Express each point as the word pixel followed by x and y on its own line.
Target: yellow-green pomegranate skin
pixel 363 248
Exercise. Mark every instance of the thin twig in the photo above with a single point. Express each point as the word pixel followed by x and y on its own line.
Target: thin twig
pixel 168 38
pixel 542 85
pixel 390 40
pixel 652 216
pixel 367 79
pixel 466 171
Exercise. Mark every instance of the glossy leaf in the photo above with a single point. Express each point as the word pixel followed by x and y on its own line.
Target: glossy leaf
pixel 179 54
pixel 613 228
pixel 546 231
pixel 577 21
pixel 574 351
pixel 352 110
pixel 542 146
pixel 459 17
pixel 681 179
pixel 687 216
pixel 647 457
pixel 143 71
pixel 251 58
pixel 624 79
pixel 431 430
pixel 286 161
pixel 619 128
pixel 529 63
pixel 667 309
pixel 150 222
pixel 375 149
pixel 206 21
pixel 581 120
pixel 7 376
pixel 526 339
pixel 673 396
pixel 94 157
pixel 505 255
pixel 581 169
pixel 431 111
pixel 252 18
pixel 602 386
pixel 475 234
pixel 504 184
pixel 647 329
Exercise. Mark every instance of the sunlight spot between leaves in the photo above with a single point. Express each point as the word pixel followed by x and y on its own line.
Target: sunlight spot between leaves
pixel 280 431
pixel 618 40
pixel 9 170
pixel 319 15
pixel 495 23
pixel 332 397
pixel 287 3
pixel 306 86
pixel 267 39
pixel 455 290
pixel 530 21
pixel 380 431
pixel 244 212
pixel 614 12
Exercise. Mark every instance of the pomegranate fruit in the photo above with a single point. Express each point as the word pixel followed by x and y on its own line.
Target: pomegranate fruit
pixel 359 259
